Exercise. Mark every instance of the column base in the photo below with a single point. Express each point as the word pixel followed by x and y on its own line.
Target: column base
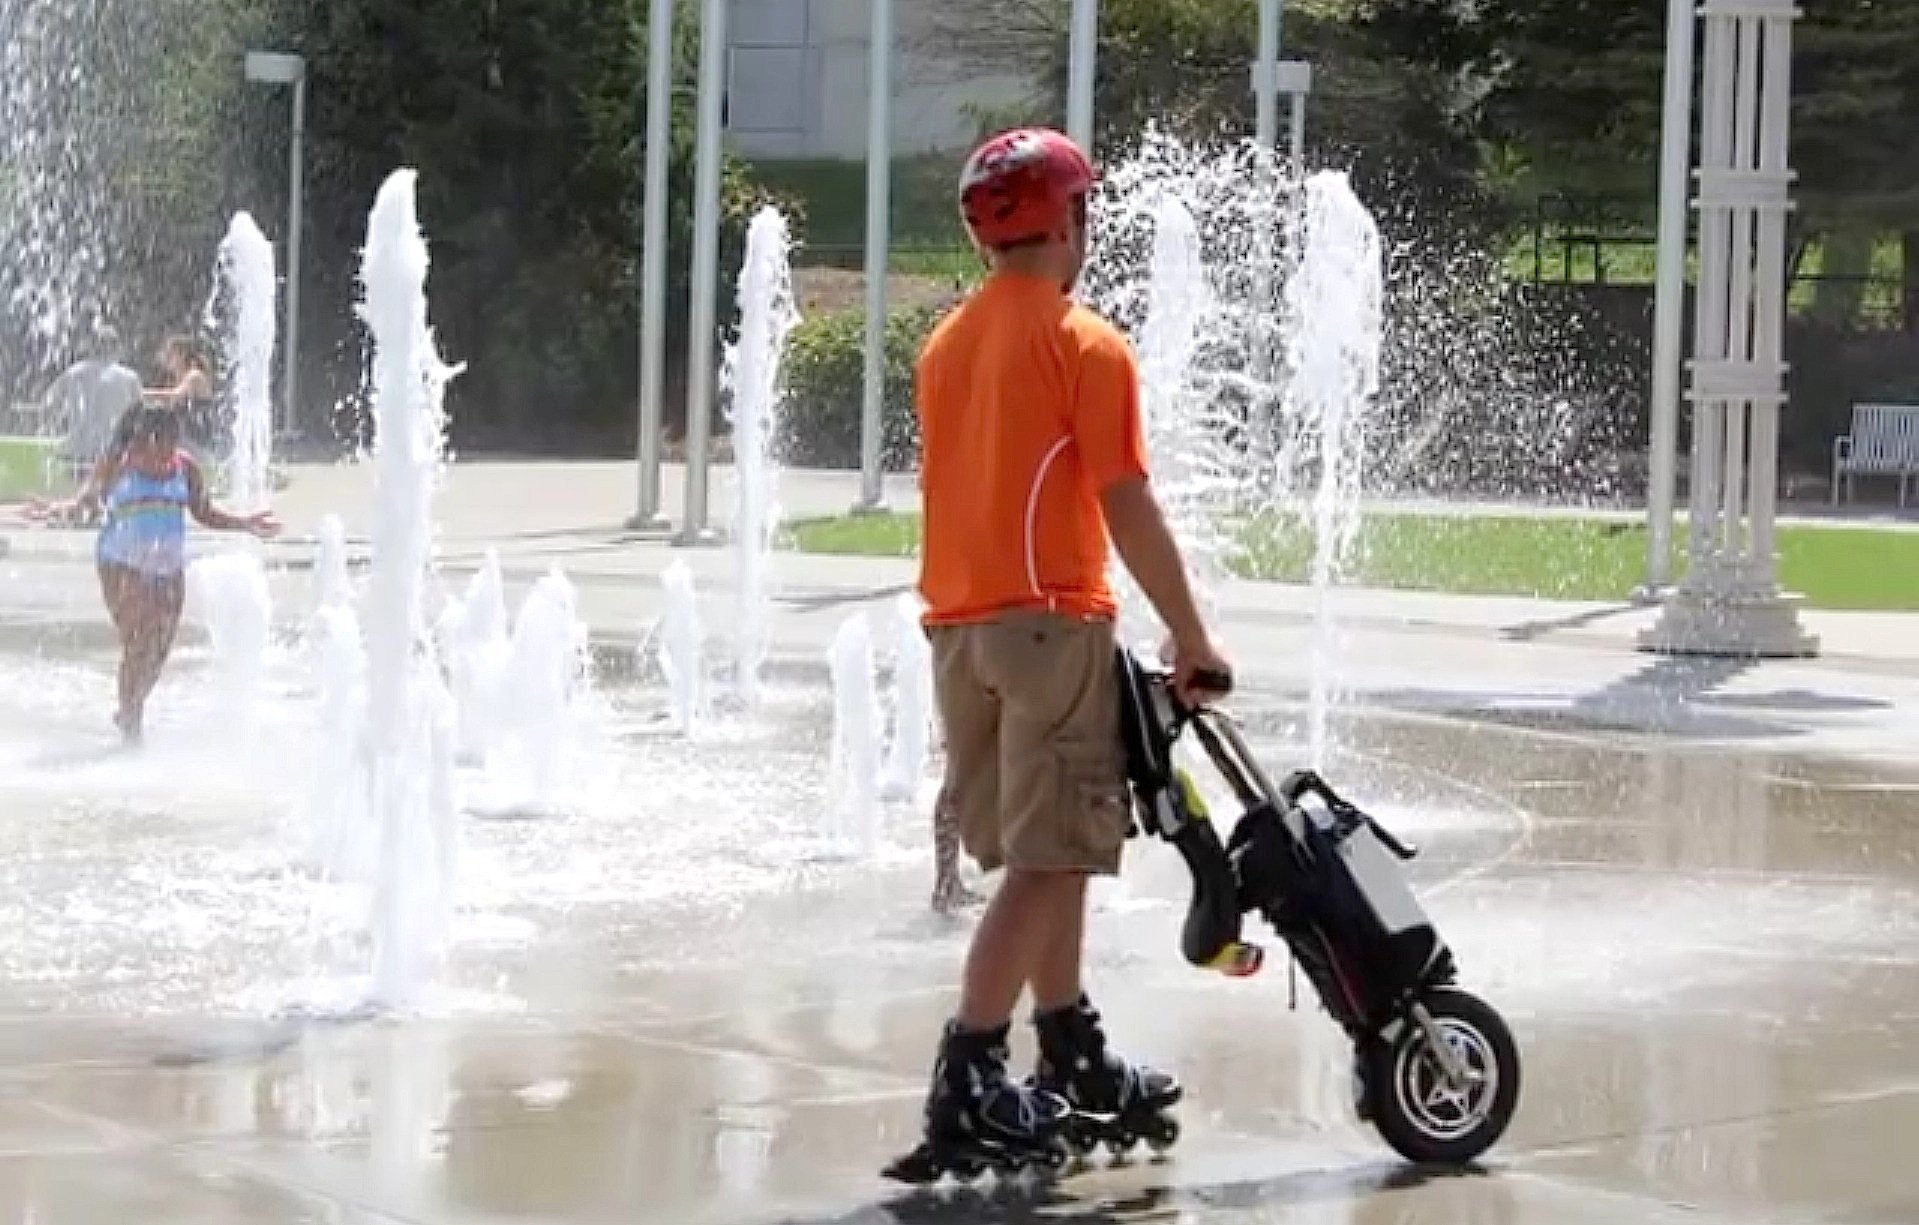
pixel 649 525
pixel 1737 626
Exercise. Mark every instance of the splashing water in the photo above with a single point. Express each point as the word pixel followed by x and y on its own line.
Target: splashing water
pixel 1256 303
pixel 545 682
pixel 853 799
pixel 912 702
pixel 1336 300
pixel 479 653
pixel 58 214
pixel 248 280
pixel 335 583
pixel 1186 260
pixel 683 647
pixel 409 713
pixel 231 600
pixel 340 832
pixel 1192 473
pixel 752 373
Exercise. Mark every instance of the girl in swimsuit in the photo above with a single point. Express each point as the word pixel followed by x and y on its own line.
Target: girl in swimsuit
pixel 148 486
pixel 189 391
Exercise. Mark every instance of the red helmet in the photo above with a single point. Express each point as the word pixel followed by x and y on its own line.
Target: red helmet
pixel 1021 185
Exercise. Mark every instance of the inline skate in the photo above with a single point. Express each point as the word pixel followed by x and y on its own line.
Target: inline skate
pixel 978 1120
pixel 1112 1102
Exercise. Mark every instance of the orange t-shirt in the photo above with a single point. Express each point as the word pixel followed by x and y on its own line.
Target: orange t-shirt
pixel 1028 409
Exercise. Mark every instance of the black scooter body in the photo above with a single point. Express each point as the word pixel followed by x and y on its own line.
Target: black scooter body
pixel 1323 876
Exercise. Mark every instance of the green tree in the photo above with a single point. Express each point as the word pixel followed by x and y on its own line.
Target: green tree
pixel 1186 65
pixel 1565 95
pixel 525 119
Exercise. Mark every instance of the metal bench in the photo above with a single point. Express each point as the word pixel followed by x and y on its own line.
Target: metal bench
pixel 1884 442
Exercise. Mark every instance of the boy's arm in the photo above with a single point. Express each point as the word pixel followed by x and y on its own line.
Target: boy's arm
pixel 1111 437
pixel 1145 543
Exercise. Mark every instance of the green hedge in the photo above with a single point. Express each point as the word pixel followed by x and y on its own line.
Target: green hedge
pixel 23 467
pixel 825 372
pixel 924 209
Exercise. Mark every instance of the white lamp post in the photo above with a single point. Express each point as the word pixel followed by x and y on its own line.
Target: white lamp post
pixel 879 169
pixel 1266 75
pixel 659 127
pixel 1082 58
pixel 276 68
pixel 706 271
pixel 1669 296
pixel 1729 603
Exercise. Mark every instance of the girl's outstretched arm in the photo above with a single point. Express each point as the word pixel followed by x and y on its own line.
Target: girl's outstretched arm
pixel 105 471
pixel 206 514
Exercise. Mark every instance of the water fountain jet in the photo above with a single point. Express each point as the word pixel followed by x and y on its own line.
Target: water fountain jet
pixel 1336 298
pixel 912 702
pixel 683 647
pixel 767 316
pixel 247 274
pixel 408 749
pixel 853 796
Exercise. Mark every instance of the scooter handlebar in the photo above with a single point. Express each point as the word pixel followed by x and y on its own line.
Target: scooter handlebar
pixel 1208 679
pixel 1213 680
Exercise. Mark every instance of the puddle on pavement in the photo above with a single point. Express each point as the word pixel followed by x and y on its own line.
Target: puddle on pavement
pixel 1708 954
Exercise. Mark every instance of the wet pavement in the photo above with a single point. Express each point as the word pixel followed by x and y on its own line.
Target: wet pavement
pixel 667 1002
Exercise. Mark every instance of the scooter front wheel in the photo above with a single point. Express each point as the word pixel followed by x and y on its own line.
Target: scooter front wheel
pixel 1439 1110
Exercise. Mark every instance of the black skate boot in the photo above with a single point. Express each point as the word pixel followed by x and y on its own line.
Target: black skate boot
pixel 978 1120
pixel 1113 1102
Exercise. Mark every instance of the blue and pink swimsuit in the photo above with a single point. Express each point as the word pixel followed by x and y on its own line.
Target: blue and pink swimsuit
pixel 146 527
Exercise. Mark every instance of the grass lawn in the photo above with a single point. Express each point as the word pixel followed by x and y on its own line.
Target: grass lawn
pixel 1556 557
pixel 23 467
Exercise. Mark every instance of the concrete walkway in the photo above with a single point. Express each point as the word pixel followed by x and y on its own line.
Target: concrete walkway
pixel 1509 658
pixel 665 1008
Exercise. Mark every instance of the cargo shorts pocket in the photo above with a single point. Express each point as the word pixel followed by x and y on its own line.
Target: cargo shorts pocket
pixel 1095 807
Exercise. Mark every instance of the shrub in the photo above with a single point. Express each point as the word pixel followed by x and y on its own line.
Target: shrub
pixel 825 371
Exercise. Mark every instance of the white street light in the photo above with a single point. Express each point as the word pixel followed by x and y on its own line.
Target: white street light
pixel 276 68
pixel 879 169
pixel 1266 75
pixel 659 107
pixel 706 262
pixel 1669 297
pixel 1082 58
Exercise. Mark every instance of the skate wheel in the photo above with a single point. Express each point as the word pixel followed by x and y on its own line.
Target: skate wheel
pixel 1056 1157
pixel 1120 1146
pixel 1163 1136
pixel 917 1169
pixel 966 1171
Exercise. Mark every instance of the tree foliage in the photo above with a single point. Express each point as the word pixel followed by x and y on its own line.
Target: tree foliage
pixel 526 120
pixel 1565 95
pixel 1186 65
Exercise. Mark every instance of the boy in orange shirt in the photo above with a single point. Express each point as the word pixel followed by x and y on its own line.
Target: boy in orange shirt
pixel 1033 460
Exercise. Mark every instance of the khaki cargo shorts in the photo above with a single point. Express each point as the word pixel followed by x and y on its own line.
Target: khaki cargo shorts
pixel 1035 771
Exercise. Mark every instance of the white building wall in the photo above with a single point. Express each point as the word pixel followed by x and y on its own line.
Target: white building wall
pixel 798 81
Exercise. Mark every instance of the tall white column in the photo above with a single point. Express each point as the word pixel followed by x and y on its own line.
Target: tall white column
pixel 701 358
pixel 659 135
pixel 879 178
pixel 1266 76
pixel 1669 301
pixel 1081 62
pixel 1729 602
